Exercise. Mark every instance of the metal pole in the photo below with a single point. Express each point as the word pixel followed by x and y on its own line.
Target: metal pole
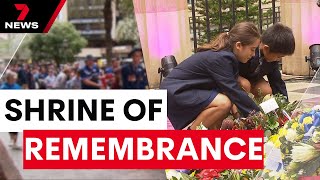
pixel 247 10
pixel 260 16
pixel 194 26
pixel 207 21
pixel 220 16
pixel 274 11
pixel 233 13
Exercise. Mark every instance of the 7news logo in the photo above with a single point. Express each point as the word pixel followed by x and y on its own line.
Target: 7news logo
pixel 20 23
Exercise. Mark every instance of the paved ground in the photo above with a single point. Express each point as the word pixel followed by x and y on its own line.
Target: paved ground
pixel 304 89
pixel 298 88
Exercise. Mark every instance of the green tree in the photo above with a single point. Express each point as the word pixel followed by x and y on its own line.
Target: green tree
pixel 61 44
pixel 127 30
pixel 226 14
pixel 125 8
pixel 23 52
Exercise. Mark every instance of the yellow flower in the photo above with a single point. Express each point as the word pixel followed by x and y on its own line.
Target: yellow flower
pixel 283 176
pixel 294 125
pixel 266 170
pixel 307 120
pixel 275 140
pixel 244 171
pixel 282 132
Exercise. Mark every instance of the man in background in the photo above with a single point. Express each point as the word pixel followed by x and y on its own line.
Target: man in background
pixel 90 75
pixel 134 75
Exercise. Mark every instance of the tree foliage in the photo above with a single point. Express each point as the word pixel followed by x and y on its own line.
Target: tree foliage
pixel 61 44
pixel 127 30
pixel 125 8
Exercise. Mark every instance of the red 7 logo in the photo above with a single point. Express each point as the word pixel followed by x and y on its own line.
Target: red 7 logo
pixel 24 11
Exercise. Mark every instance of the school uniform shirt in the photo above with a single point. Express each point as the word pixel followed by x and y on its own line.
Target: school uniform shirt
pixel 194 83
pixel 134 77
pixel 257 67
pixel 89 73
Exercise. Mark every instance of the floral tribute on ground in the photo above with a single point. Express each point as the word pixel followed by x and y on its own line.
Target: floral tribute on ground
pixel 292 144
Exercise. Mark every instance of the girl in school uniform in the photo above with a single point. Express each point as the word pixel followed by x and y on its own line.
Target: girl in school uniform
pixel 202 87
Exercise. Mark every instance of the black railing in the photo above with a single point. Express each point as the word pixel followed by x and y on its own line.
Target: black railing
pixel 209 22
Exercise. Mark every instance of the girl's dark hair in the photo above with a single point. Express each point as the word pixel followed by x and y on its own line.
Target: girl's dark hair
pixel 244 32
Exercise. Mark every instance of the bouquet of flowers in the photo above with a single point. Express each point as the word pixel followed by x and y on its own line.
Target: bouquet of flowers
pixel 271 123
pixel 299 143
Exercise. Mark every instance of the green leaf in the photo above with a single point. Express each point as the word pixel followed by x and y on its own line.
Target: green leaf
pixel 267 133
pixel 185 176
pixel 312 166
pixel 174 178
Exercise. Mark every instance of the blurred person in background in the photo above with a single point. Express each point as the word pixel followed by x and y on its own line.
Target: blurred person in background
pixel 114 74
pixel 31 82
pixel 10 83
pixel 62 78
pixel 90 75
pixel 75 80
pixel 22 76
pixel 134 75
pixel 43 72
pixel 50 79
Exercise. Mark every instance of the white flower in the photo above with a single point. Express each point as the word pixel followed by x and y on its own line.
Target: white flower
pixel 267 97
pixel 291 135
pixel 170 173
pixel 303 152
pixel 275 174
pixel 201 127
pixel 316 137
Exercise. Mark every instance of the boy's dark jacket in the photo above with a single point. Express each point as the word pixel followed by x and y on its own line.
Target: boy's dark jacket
pixel 257 67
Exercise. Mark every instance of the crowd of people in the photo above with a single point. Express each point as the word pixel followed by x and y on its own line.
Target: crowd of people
pixel 72 76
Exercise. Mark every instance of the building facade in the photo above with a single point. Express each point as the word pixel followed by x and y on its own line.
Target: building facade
pixel 88 18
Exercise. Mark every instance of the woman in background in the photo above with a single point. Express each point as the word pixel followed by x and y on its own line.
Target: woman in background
pixel 11 83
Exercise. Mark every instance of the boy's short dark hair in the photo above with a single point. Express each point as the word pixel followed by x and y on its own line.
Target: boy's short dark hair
pixel 279 38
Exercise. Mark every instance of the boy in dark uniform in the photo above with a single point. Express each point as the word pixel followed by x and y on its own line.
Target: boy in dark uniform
pixel 90 75
pixel 134 74
pixel 276 42
pixel 202 87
